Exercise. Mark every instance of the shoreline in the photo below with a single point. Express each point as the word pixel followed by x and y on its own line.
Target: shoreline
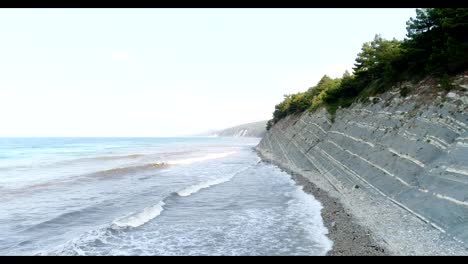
pixel 349 238
pixel 362 222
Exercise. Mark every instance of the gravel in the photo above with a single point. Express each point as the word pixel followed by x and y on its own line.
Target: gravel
pixel 363 222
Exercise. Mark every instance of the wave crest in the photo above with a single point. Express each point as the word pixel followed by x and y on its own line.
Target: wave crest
pixel 202 185
pixel 141 218
pixel 198 159
pixel 127 170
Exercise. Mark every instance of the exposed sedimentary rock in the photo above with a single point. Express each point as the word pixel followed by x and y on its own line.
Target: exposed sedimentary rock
pixel 413 151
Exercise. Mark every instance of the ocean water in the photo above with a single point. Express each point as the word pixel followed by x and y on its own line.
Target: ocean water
pixel 151 196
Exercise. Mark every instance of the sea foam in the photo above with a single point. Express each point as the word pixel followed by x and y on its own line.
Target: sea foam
pixel 141 218
pixel 202 185
pixel 203 158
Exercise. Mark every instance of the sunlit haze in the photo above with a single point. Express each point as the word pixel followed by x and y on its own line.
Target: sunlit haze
pixel 169 72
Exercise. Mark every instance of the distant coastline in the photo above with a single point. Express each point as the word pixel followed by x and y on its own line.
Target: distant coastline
pixel 254 129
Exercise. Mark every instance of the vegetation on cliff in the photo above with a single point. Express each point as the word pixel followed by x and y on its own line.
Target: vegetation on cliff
pixel 436 45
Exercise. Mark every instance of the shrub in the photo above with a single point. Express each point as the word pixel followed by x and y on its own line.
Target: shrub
pixel 445 83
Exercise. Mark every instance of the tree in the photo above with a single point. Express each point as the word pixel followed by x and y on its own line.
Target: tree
pixel 437 40
pixel 374 60
pixel 436 43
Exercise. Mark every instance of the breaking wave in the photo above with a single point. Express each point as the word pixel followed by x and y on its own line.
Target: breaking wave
pixel 202 185
pixel 151 212
pixel 198 159
pixel 141 218
pixel 114 172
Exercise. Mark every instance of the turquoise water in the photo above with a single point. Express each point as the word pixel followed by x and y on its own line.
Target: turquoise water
pixel 151 196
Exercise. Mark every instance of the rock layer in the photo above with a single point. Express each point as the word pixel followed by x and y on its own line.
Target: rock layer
pixel 412 151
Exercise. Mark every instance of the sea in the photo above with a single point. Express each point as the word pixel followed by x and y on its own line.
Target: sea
pixel 151 196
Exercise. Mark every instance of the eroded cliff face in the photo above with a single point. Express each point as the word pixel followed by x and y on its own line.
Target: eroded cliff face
pixel 413 150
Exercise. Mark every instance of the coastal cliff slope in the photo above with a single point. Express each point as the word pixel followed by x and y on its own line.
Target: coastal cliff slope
pixel 255 129
pixel 398 163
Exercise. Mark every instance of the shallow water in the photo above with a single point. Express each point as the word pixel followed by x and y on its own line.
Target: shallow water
pixel 151 196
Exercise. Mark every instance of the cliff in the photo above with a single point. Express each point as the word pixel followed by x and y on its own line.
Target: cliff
pixel 401 154
pixel 255 129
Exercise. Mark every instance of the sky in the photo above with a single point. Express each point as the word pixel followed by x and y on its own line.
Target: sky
pixel 169 72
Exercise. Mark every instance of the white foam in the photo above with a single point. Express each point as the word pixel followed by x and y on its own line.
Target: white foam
pixel 202 185
pixel 307 208
pixel 140 218
pixel 204 158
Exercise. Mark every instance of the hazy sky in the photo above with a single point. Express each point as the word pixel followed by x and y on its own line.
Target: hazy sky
pixel 169 72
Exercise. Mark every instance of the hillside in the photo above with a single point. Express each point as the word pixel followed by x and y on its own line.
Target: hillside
pixel 255 129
